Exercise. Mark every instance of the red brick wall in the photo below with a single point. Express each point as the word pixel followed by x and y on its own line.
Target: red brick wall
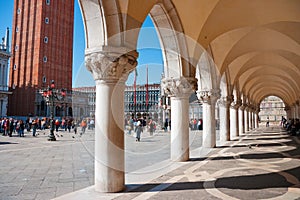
pixel 28 76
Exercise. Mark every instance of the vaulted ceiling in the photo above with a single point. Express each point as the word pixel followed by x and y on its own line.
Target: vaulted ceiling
pixel 256 42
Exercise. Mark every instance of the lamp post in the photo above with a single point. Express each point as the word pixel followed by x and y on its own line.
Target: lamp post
pixel 51 94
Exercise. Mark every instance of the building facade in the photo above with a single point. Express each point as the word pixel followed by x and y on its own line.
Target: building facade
pixel 272 108
pixel 138 102
pixel 42 46
pixel 62 107
pixel 135 103
pixel 84 101
pixel 4 57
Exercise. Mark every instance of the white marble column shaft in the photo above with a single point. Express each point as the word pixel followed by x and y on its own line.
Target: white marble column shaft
pixel 209 125
pixel 180 129
pixel 109 137
pixel 234 121
pixel 110 69
pixel 246 119
pixel 250 119
pixel 208 99
pixel 241 120
pixel 179 90
pixel 256 119
pixel 224 104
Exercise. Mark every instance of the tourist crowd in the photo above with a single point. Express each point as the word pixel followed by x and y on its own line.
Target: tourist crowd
pixel 138 125
pixel 291 125
pixel 10 126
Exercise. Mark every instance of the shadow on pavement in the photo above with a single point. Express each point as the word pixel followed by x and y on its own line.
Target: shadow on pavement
pixel 3 143
pixel 251 182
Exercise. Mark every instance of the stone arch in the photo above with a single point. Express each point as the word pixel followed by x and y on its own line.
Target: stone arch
pixel 266 59
pixel 274 90
pixel 207 73
pixel 225 86
pixel 172 40
pixel 271 94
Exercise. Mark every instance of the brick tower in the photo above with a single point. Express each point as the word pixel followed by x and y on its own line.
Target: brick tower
pixel 42 47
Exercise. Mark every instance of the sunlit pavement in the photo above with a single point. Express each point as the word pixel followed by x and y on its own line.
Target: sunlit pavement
pixel 262 164
pixel 34 168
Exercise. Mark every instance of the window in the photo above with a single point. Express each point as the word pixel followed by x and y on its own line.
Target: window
pixel 45 59
pixel 18 11
pixel 48 2
pixel 46 39
pixel 44 79
pixel 16 48
pixel 47 20
pixel 17 29
pixel 15 67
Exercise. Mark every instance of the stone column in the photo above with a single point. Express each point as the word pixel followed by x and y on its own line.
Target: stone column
pixel 224 104
pixel 110 69
pixel 288 112
pixel 256 118
pixel 246 118
pixel 180 90
pixel 253 119
pixel 241 120
pixel 293 110
pixel 250 118
pixel 208 99
pixel 234 119
pixel 297 109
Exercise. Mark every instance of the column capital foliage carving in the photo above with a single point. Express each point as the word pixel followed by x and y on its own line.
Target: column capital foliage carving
pixel 111 66
pixel 244 106
pixel 257 110
pixel 207 96
pixel 225 101
pixel 236 104
pixel 179 87
pixel 287 108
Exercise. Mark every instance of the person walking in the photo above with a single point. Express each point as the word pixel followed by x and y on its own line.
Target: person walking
pixel 151 127
pixel 57 124
pixel 21 128
pixel 138 130
pixel 83 126
pixel 268 122
pixel 34 126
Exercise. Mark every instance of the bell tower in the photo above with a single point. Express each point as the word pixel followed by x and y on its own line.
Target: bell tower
pixel 42 48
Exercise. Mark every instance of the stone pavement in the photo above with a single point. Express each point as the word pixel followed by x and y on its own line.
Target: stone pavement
pixel 34 168
pixel 262 164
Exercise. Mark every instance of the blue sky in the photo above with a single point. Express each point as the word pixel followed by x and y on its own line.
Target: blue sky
pixel 148 48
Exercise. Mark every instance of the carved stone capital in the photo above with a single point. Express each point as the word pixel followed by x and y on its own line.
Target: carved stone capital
pixel 179 87
pixel 244 107
pixel 110 66
pixel 225 101
pixel 257 110
pixel 287 108
pixel 236 104
pixel 208 96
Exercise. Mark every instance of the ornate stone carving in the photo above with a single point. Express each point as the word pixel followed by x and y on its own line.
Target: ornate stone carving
pixel 179 87
pixel 287 108
pixel 257 110
pixel 236 104
pixel 207 96
pixel 225 101
pixel 243 106
pixel 104 66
